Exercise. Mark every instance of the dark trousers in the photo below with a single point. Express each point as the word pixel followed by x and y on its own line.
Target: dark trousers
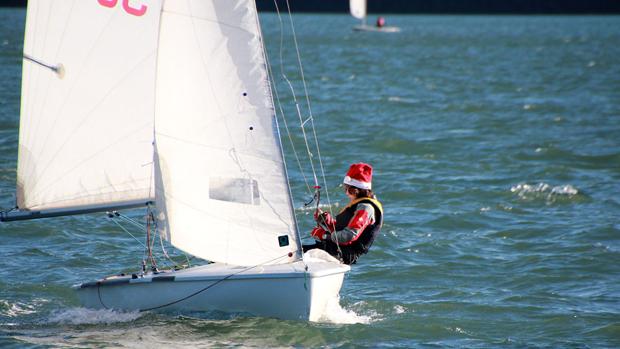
pixel 348 255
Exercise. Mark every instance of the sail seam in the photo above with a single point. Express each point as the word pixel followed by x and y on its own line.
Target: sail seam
pixel 218 148
pixel 76 197
pixel 208 20
pixel 50 184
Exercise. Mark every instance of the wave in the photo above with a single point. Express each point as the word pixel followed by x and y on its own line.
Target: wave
pixel 9 309
pixel 84 316
pixel 524 188
pixel 336 314
pixel 396 99
pixel 544 191
pixel 595 159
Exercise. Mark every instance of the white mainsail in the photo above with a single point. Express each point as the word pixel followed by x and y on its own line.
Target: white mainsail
pixel 87 108
pixel 221 188
pixel 358 8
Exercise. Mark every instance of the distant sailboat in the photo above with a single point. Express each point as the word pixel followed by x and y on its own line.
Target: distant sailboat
pixel 167 105
pixel 358 10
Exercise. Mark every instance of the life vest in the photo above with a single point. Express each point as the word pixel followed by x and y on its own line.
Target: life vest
pixel 369 234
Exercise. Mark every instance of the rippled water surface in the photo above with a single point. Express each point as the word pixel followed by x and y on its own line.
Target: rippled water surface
pixel 496 147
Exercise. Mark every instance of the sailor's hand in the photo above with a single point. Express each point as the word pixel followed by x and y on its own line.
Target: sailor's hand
pixel 319 234
pixel 317 213
pixel 325 220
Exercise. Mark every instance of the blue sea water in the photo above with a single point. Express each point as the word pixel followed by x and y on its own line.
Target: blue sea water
pixel 496 147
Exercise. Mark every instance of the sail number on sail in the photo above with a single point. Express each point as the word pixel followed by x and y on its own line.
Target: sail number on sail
pixel 131 10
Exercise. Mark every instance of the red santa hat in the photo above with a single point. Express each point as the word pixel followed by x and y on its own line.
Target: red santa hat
pixel 359 176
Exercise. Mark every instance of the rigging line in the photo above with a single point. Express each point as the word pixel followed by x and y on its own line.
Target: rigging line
pixel 99 295
pixel 310 156
pixel 136 224
pixel 127 231
pixel 270 82
pixel 145 253
pixel 311 118
pixel 211 285
pixel 163 248
pixel 151 236
pixel 288 131
pixel 129 220
pixel 270 71
pixel 279 103
pixel 161 239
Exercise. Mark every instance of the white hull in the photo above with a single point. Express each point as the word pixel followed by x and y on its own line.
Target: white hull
pixel 285 291
pixel 370 28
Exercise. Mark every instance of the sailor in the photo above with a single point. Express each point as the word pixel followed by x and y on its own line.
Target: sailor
pixel 355 228
pixel 380 22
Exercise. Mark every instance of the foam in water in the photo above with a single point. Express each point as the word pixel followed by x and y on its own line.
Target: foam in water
pixel 397 99
pixel 82 316
pixel 564 190
pixel 335 314
pixel 15 309
pixel 532 191
pixel 399 309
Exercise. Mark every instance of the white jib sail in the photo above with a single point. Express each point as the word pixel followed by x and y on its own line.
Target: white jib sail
pixel 221 188
pixel 358 8
pixel 87 103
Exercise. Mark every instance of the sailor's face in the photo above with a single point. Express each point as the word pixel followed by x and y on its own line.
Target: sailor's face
pixel 349 191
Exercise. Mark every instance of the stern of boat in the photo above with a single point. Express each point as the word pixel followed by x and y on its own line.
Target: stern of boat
pixel 327 275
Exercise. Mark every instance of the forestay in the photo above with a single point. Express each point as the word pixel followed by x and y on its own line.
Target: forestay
pixel 87 107
pixel 221 187
pixel 358 8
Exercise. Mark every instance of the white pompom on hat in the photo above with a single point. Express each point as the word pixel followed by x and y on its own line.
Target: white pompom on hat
pixel 359 176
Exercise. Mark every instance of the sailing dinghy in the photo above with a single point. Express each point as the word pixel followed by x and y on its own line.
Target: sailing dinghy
pixel 167 105
pixel 357 8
